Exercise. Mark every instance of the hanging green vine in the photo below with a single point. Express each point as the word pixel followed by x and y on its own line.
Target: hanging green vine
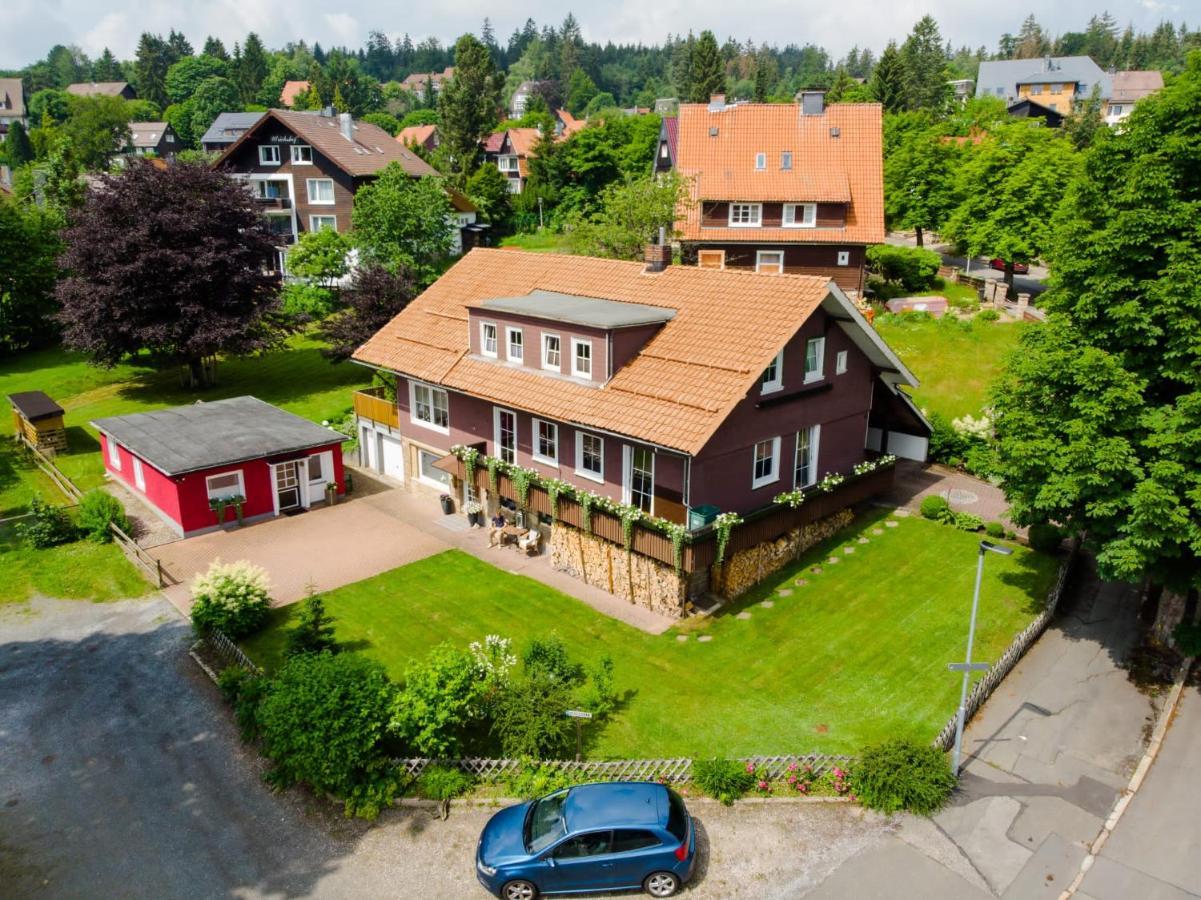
pixel 724 524
pixel 493 475
pixel 522 479
pixel 469 456
pixel 554 490
pixel 586 499
pixel 629 515
pixel 677 533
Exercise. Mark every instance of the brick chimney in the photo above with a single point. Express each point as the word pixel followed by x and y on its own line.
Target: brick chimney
pixel 717 102
pixel 657 256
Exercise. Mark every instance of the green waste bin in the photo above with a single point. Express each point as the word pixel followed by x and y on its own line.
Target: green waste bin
pixel 700 516
pixel 348 478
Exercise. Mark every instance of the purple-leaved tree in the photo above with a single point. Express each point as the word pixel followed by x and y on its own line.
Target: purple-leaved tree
pixel 170 261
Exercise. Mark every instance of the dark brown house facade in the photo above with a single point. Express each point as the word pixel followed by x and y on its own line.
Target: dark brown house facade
pixel 779 189
pixel 644 387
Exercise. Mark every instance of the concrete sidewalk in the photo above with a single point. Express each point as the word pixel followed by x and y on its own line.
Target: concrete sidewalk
pixel 1046 758
pixel 1152 852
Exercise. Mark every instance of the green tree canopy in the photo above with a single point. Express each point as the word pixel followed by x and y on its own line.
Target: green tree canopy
pixel 16 147
pixel 185 76
pixel 51 102
pixel 467 105
pixel 488 189
pixel 888 81
pixel 1098 415
pixel 925 62
pixel 97 128
pixel 707 69
pixel 630 216
pixel 402 222
pixel 30 245
pixel 918 175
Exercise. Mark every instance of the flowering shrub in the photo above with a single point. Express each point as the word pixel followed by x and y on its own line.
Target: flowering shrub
pixel 800 778
pixel 231 597
pixel 971 427
pixel 493 658
pixel 724 524
pixel 791 498
pixel 831 481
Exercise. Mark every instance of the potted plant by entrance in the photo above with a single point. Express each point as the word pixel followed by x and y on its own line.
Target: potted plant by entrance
pixel 238 501
pixel 448 505
pixel 475 513
pixel 331 493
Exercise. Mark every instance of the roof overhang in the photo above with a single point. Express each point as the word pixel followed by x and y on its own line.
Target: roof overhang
pixel 863 336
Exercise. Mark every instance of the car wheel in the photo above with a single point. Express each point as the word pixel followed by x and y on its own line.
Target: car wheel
pixel 661 884
pixel 523 890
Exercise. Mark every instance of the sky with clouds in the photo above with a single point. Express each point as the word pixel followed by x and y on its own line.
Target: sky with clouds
pixel 31 27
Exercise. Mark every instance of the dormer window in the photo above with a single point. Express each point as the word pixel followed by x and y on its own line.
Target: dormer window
pixel 760 161
pixel 746 215
pixel 516 342
pixel 800 215
pixel 786 160
pixel 581 358
pixel 488 339
pixel 772 379
pixel 550 353
pixel 269 154
pixel 302 155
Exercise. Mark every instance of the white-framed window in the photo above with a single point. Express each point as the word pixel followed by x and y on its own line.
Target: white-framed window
pixel 844 257
pixel 225 485
pixel 581 358
pixel 139 475
pixel 170 138
pixel 840 362
pixel 772 379
pixel 767 463
pixel 815 359
pixel 321 223
pixel 663 150
pixel 746 215
pixel 429 407
pixel 114 454
pixel 546 442
pixel 804 472
pixel 786 160
pixel 551 358
pixel 590 456
pixel 769 262
pixel 504 424
pixel 506 163
pixel 516 344
pixel 488 339
pixel 302 155
pixel 321 191
pixel 428 472
pixel 760 161
pixel 1036 90
pixel 800 215
pixel 268 154
pixel 639 482
pixel 1116 109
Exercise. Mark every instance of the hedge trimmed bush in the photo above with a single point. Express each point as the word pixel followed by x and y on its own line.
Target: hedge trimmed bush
pixel 97 510
pixel 231 597
pixel 723 779
pixel 935 507
pixel 1045 538
pixel 914 268
pixel 994 530
pixel 903 775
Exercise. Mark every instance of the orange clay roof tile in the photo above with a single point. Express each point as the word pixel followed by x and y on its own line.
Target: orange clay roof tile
pixel 675 392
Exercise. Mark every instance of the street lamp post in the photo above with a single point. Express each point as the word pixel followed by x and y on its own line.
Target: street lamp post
pixel 967 666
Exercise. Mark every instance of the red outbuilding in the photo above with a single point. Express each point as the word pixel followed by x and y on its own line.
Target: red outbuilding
pixel 210 463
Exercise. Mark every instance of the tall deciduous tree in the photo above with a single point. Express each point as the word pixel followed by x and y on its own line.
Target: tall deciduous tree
pixel 170 261
pixel 708 69
pixel 1008 190
pixel 29 245
pixel 1099 417
pixel 186 75
pixel 375 295
pixel 468 105
pixel 97 128
pixel 630 217
pixel 404 223
pixel 918 176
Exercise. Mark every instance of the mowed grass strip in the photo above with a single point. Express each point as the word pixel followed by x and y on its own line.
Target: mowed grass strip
pixel 857 654
pixel 83 570
pixel 955 362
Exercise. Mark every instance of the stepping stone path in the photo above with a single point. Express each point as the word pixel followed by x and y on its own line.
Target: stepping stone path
pixel 900 513
pixel 768 604
pixel 891 523
pixel 800 582
pixel 863 540
pixel 681 638
pixel 783 592
pixel 848 549
pixel 705 638
pixel 743 616
pixel 816 570
pixel 877 531
pixel 833 559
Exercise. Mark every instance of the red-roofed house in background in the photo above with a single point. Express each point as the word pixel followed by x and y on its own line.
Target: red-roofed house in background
pixel 291 90
pixel 424 136
pixel 306 167
pixel 417 82
pixel 679 390
pixel 781 188
pixel 512 150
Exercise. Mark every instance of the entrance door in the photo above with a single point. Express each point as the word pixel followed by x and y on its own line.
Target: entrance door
pixel 287 486
pixel 392 457
pixel 367 447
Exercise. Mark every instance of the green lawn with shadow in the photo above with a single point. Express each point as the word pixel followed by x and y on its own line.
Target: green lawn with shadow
pixel 856 654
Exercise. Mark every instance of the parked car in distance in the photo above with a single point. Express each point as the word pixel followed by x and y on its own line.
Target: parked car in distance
pixel 609 836
pixel 1018 268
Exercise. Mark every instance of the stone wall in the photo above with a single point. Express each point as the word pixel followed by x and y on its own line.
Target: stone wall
pixel 637 579
pixel 746 568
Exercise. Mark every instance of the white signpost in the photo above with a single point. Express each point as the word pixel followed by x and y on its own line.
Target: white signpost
pixel 580 717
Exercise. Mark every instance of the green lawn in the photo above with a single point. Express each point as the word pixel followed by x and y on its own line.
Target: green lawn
pixel 79 571
pixel 857 654
pixel 542 241
pixel 955 361
pixel 297 379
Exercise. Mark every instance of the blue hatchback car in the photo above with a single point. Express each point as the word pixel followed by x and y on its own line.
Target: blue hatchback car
pixel 589 838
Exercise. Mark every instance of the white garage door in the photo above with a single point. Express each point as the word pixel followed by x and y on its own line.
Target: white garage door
pixel 392 457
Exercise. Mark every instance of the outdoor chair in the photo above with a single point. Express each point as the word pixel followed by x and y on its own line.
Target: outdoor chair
pixel 530 543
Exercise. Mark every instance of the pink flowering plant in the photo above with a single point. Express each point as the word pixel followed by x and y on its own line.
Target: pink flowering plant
pixel 800 777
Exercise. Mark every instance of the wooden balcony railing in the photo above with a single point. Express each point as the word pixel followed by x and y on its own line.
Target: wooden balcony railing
pixel 373 404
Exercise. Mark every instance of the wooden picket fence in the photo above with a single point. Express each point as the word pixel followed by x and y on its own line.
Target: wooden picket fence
pixel 671 770
pixel 227 652
pixel 1016 650
pixel 51 471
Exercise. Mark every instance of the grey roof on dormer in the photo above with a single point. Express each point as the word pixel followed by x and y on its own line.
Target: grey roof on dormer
pixel 229 126
pixel 572 309
pixel 1007 74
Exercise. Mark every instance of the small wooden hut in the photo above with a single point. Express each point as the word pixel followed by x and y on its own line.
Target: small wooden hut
pixel 39 420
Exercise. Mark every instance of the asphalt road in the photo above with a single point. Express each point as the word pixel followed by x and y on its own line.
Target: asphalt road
pixel 1033 283
pixel 121 776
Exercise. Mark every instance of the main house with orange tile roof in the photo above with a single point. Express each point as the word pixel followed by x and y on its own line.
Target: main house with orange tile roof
pixel 306 167
pixel 780 188
pixel 512 149
pixel 673 388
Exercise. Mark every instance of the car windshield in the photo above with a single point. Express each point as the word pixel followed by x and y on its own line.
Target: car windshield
pixel 544 823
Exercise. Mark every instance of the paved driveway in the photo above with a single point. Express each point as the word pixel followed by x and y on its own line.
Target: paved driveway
pixel 121 776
